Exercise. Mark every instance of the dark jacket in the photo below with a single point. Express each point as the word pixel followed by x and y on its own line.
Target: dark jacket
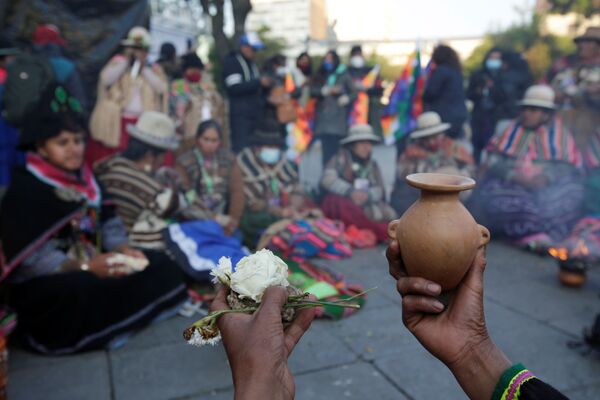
pixel 332 118
pixel 242 83
pixel 444 94
pixel 495 97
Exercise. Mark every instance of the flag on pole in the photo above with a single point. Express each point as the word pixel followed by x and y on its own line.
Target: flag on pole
pixel 360 109
pixel 300 131
pixel 405 102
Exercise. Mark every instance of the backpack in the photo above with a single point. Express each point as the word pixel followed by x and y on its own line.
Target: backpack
pixel 27 77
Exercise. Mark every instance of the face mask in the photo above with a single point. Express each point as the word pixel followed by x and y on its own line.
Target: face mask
pixel 193 76
pixel 270 155
pixel 357 62
pixel 281 71
pixel 493 64
pixel 328 66
pixel 305 68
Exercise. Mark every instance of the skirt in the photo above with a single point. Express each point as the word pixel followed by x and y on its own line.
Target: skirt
pixel 78 311
pixel 96 151
pixel 515 212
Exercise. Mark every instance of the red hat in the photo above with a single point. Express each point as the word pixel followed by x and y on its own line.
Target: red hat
pixel 46 33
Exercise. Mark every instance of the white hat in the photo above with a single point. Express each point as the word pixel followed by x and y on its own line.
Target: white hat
pixel 539 96
pixel 156 129
pixel 429 123
pixel 138 36
pixel 360 133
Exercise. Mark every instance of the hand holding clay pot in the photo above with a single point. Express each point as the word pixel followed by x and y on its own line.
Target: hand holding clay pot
pixel 437 236
pixel 456 335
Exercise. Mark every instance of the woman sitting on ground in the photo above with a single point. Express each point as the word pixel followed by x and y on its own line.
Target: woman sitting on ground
pixel 211 177
pixel 531 189
pixel 270 184
pixel 430 150
pixel 144 203
pixel 66 274
pixel 354 186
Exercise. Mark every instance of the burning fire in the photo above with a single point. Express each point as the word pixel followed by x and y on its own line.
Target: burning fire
pixel 562 253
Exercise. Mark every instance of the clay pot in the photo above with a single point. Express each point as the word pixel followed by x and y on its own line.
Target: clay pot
pixel 571 279
pixel 438 237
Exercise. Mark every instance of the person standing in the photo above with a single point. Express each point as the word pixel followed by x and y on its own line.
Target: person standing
pixel 193 101
pixel 358 70
pixel 444 92
pixel 168 61
pixel 334 90
pixel 275 95
pixel 128 86
pixel 48 43
pixel 243 84
pixel 577 87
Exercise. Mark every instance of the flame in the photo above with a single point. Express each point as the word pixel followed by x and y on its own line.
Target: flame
pixel 561 253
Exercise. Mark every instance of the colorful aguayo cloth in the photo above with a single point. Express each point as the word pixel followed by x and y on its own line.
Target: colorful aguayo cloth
pixel 325 285
pixel 302 239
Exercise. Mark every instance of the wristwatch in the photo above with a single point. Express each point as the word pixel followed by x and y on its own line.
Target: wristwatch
pixel 84 267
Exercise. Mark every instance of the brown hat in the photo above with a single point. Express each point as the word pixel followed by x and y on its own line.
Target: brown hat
pixel 591 34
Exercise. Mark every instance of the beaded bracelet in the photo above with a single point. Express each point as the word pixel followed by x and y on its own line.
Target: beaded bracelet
pixel 509 385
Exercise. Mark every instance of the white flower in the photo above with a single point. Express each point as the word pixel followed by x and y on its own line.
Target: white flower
pixel 222 272
pixel 256 272
pixel 198 340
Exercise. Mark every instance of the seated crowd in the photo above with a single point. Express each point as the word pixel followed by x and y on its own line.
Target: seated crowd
pixel 109 214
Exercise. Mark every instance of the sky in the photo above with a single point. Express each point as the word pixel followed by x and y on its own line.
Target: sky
pixel 430 19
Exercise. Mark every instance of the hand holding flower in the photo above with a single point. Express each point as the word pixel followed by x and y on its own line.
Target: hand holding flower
pixel 258 346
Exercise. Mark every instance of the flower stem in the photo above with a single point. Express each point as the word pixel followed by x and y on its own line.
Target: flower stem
pixel 310 303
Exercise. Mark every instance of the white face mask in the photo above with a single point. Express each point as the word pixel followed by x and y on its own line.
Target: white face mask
pixel 281 71
pixel 493 64
pixel 357 61
pixel 270 155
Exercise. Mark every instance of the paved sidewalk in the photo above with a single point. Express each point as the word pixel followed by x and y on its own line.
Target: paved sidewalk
pixel 368 355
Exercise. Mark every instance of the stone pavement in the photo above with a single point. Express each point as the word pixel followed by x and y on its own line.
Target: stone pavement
pixel 368 355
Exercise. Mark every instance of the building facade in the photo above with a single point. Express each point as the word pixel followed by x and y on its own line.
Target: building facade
pixel 296 21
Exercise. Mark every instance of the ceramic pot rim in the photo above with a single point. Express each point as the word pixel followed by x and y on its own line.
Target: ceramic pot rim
pixel 440 182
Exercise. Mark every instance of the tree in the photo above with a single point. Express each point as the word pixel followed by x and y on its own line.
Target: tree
pixel 389 72
pixel 273 45
pixel 216 10
pixel 584 7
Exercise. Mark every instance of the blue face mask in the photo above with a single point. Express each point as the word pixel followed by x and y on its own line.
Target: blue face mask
pixel 493 64
pixel 270 155
pixel 328 66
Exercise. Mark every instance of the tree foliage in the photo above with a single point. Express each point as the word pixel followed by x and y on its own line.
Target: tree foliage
pixel 584 7
pixel 216 10
pixel 273 45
